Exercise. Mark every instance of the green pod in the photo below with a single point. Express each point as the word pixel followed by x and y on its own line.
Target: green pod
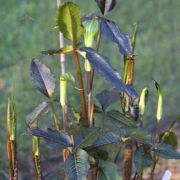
pixel 91 28
pixel 63 91
pixel 142 101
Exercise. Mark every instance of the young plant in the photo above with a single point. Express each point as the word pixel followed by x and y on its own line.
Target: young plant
pixel 88 137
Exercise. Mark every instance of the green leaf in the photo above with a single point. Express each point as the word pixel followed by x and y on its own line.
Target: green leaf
pixel 32 118
pixel 64 50
pixel 106 5
pixel 142 160
pixel 143 100
pixel 112 32
pixel 68 77
pixel 105 69
pixel 108 171
pixel 106 97
pixel 133 39
pixel 91 29
pixel 170 138
pixel 77 165
pixel 160 101
pixel 42 78
pixel 108 137
pixel 59 138
pixel 166 151
pixel 68 20
pixel 120 118
pixel 86 139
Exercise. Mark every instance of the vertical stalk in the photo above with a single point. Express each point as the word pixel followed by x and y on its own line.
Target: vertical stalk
pixel 63 68
pixel 61 45
pixel 85 121
pixel 11 141
pixel 36 157
pixel 128 79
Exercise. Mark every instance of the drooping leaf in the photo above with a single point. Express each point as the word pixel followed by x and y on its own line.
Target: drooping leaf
pixel 106 97
pixel 170 138
pixel 143 100
pixel 108 171
pixel 111 31
pixel 64 50
pixel 42 78
pixel 166 151
pixel 68 20
pixel 160 99
pixel 86 139
pixel 142 160
pixel 77 165
pixel 58 138
pixel 31 119
pixel 106 5
pixel 104 68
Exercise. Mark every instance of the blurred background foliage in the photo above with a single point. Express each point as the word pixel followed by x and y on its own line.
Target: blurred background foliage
pixel 27 28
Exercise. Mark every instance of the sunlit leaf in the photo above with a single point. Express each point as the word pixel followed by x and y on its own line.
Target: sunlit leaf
pixel 108 171
pixel 32 118
pixel 104 68
pixel 42 78
pixel 87 137
pixel 143 100
pixel 166 151
pixel 64 50
pixel 77 165
pixel 106 5
pixel 58 138
pixel 68 20
pixel 160 99
pixel 106 97
pixel 111 31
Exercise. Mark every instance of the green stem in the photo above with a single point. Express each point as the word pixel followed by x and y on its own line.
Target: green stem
pixel 54 114
pixel 36 157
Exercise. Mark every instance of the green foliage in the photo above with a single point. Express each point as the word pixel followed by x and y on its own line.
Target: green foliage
pixel 64 50
pixel 32 118
pixel 166 151
pixel 85 147
pixel 42 78
pixel 77 165
pixel 170 138
pixel 108 171
pixel 68 20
